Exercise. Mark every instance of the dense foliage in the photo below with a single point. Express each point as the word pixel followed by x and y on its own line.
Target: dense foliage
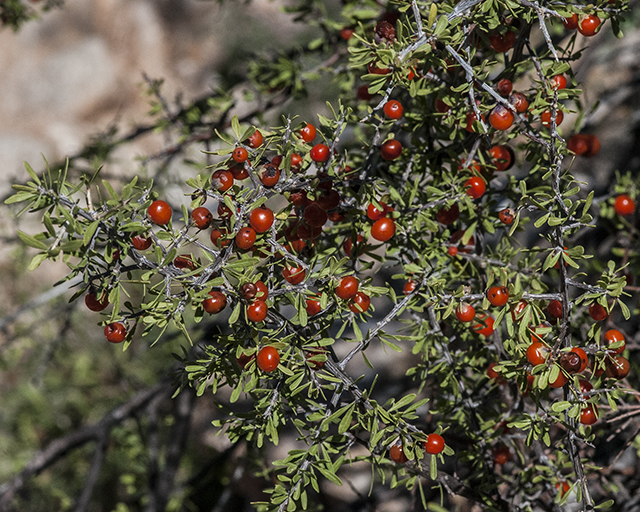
pixel 434 212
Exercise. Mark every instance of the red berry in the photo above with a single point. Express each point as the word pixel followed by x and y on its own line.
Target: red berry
pixel 441 106
pixel 397 455
pixel 498 295
pixel 268 359
pixel 385 30
pixel 360 303
pixel 588 26
pixel 506 216
pixel 245 238
pixel 519 102
pixel 336 216
pixel 502 43
pixel 346 33
pixel 455 239
pixel 504 87
pixel 256 140
pixel 452 251
pixel 224 212
pixel 465 312
pixel 537 353
pixel 589 415
pixel 294 275
pixel 545 117
pixel 159 212
pixel 448 215
pixel 391 149
pixel 571 23
pixel 261 219
pixel 299 198
pixel 308 133
pixel 347 246
pixel 239 172
pixel 585 386
pixel 501 118
pixel 244 360
pixel 485 325
pixel 374 213
pixel 475 187
pixel 257 311
pixel 269 175
pixel 624 205
pixel 215 236
pixel 201 217
pixel 516 312
pixel 578 144
pixel 617 367
pixel 262 292
pixel 315 216
pixel 598 312
pixel 319 153
pixel 409 287
pixel 316 364
pixel 215 303
pixel 393 109
pixel 94 304
pixel 555 308
pixel 574 361
pixel 140 242
pixel 296 160
pixel 115 332
pixel 492 374
pixel 184 262
pixel 313 307
pixel 239 155
pixel 383 229
pixel 434 444
pixel 248 291
pixel 614 336
pixel 222 180
pixel 584 360
pixel 470 119
pixel 347 288
pixel 559 82
pixel 373 69
pixel 363 93
pixel 501 455
pixel 328 199
pixel 593 145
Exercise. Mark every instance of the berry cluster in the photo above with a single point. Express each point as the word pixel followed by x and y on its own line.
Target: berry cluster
pixel 414 203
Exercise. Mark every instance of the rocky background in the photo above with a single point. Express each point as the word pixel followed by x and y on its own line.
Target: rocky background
pixel 79 69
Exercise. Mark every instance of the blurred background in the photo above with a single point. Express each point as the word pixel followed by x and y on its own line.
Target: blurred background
pixel 79 71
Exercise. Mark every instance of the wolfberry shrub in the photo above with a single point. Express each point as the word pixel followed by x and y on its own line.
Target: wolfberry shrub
pixel 423 192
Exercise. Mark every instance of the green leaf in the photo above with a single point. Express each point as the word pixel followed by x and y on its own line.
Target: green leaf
pixel 406 400
pixel 20 197
pixel 32 241
pixel 328 475
pixel 32 173
pixel 235 126
pixel 88 234
pixel 433 12
pixel 345 422
pixel 441 25
pixel 37 259
pixel 233 318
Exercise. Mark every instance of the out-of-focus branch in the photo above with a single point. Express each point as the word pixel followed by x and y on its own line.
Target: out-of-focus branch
pixel 60 447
